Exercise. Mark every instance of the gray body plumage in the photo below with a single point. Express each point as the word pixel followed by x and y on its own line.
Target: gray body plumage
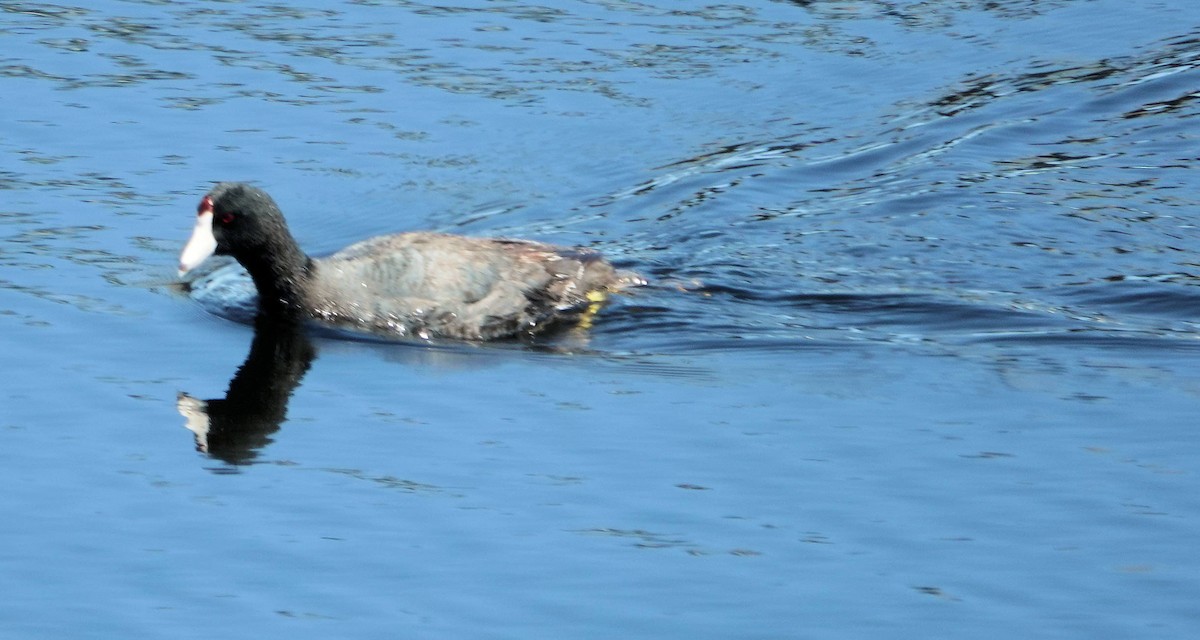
pixel 436 285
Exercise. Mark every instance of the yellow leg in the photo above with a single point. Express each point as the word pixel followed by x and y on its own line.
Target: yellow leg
pixel 595 301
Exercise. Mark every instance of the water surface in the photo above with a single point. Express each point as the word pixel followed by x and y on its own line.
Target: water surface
pixel 917 359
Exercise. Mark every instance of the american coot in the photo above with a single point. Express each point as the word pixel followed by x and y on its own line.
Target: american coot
pixel 419 284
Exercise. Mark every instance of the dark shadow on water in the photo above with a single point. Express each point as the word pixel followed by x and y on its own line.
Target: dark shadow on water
pixel 234 428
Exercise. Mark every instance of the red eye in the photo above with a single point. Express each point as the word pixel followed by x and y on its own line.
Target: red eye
pixel 225 218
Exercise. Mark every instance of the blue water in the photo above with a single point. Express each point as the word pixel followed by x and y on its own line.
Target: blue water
pixel 918 358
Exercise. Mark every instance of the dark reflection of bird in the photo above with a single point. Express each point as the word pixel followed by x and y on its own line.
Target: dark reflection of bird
pixel 235 427
pixel 409 285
